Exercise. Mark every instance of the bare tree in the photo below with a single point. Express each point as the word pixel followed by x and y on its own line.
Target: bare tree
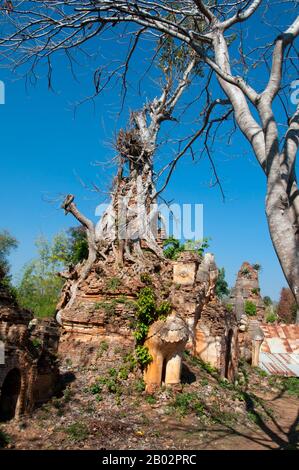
pixel 39 29
pixel 130 222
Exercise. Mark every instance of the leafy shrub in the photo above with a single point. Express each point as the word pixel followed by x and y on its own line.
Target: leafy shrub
pixel 112 372
pixel 77 249
pixel 271 317
pixel 123 373
pixel 95 388
pixel 172 248
pixel 188 402
pixel 250 308
pixel 147 312
pixel 150 399
pixel 261 372
pixel 140 332
pixel 229 307
pixel 143 356
pixel 256 290
pixel 257 267
pixel 198 246
pixel 291 385
pixel 163 309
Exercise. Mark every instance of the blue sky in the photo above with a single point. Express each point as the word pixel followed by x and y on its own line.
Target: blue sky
pixel 47 151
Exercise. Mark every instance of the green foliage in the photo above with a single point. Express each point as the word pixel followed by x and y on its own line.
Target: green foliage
pixel 36 342
pixel 7 243
pixel 221 288
pixel 113 283
pixel 146 306
pixel 291 385
pixel 253 416
pixel 255 291
pixel 267 301
pixel 147 312
pixel 104 346
pixel 108 307
pixel 146 278
pixel 40 287
pixel 143 356
pixel 271 317
pixel 250 308
pixel 229 307
pixel 77 432
pixel 163 309
pixel 139 385
pixel 187 402
pixel 245 272
pixel 261 372
pixel 131 361
pixel 150 399
pixel 123 373
pixel 67 394
pixel 4 439
pixel 77 247
pixel 174 56
pixel 112 372
pixel 257 267
pixel 173 247
pixel 199 246
pixel 141 332
pixel 96 388
pixel 196 361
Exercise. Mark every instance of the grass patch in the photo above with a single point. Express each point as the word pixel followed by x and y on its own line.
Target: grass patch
pixel 4 439
pixel 291 385
pixel 150 399
pixel 77 432
pixel 185 403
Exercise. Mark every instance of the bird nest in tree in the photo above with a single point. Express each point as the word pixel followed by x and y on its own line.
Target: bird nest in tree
pixel 129 145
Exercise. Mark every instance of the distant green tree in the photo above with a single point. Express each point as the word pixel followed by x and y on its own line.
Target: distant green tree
pixel 267 301
pixel 77 245
pixel 221 288
pixel 7 243
pixel 40 286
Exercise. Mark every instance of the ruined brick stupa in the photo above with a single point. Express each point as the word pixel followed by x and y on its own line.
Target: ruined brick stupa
pixel 28 365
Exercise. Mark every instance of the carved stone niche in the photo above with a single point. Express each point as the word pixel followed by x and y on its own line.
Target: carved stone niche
pixel 166 341
pixel 184 269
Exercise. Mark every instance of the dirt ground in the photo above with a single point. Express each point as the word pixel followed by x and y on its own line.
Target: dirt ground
pixel 96 412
